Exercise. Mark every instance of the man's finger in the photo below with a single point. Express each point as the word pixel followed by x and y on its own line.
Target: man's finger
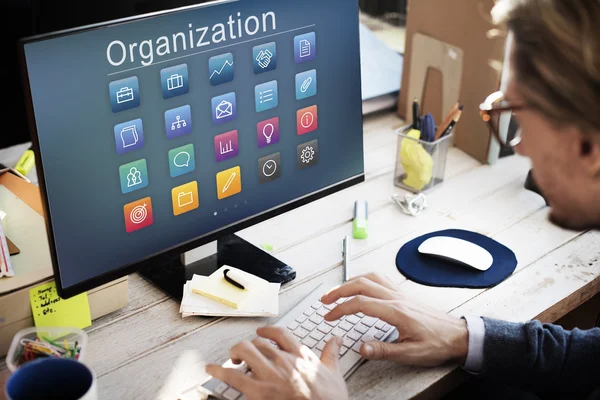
pixel 330 356
pixel 359 286
pixel 382 309
pixel 256 361
pixel 403 353
pixel 377 278
pixel 285 340
pixel 233 377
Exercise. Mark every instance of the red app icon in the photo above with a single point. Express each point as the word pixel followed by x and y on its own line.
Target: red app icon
pixel 306 120
pixel 138 214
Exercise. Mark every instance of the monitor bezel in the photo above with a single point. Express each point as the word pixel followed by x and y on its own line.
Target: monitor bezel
pixel 115 274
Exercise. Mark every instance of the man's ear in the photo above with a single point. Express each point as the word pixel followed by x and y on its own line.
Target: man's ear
pixel 590 153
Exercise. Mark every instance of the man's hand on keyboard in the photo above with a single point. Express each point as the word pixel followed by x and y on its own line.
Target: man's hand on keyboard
pixel 427 337
pixel 288 371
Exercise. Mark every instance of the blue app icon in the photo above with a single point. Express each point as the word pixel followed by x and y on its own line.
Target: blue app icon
pixel 124 94
pixel 178 121
pixel 174 81
pixel 182 160
pixel 220 69
pixel 133 176
pixel 129 136
pixel 305 47
pixel 306 84
pixel 265 96
pixel 223 108
pixel 264 57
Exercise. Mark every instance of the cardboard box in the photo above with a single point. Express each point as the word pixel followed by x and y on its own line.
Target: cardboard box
pixel 24 225
pixel 463 24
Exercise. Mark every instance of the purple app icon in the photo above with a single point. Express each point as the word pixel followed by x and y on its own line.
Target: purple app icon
pixel 226 146
pixel 267 132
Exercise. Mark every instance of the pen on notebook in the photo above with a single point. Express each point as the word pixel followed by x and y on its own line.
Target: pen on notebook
pixel 345 252
pixel 234 278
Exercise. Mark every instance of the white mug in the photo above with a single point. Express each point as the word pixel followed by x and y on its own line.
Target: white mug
pixel 52 378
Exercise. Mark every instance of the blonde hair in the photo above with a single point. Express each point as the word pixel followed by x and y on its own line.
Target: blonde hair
pixel 556 57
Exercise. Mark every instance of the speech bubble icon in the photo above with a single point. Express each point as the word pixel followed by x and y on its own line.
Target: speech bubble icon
pixel 182 159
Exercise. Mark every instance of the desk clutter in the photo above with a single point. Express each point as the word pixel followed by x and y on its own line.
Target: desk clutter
pixel 422 149
pixel 230 292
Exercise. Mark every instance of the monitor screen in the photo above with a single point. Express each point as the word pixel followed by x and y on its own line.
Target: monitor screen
pixel 165 131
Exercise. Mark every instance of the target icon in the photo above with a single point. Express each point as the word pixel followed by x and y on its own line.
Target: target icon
pixel 138 214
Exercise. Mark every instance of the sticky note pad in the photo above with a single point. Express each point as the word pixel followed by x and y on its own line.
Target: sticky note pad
pixel 218 289
pixel 50 310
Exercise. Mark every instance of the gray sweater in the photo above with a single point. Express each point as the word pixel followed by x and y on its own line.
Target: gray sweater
pixel 543 359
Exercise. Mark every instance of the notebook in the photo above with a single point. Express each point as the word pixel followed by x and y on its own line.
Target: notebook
pixel 213 296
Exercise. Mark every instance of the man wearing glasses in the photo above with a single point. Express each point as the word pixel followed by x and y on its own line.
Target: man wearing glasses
pixel 554 94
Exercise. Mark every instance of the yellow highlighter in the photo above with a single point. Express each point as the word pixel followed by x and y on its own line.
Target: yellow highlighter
pixel 26 162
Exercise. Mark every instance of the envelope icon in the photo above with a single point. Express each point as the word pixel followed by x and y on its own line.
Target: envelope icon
pixel 224 109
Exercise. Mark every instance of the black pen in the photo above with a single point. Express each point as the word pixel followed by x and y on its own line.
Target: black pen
pixel 416 118
pixel 234 283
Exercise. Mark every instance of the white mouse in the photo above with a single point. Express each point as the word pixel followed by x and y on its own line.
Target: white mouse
pixel 459 251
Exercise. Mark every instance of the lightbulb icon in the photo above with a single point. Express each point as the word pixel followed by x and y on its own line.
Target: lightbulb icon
pixel 268 130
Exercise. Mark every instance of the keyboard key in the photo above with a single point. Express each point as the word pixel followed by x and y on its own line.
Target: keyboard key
pixel 340 300
pixel 345 326
pixel 317 305
pixel 327 337
pixel 309 312
pixel 362 329
pixel 330 306
pixel 367 338
pixel 323 327
pixel 352 319
pixel 315 319
pixel 301 332
pixel 348 342
pixel 309 326
pixel 379 324
pixel 368 321
pixel 317 352
pixel 318 335
pixel 231 394
pixel 372 332
pixel 333 323
pixel 354 335
pixel 379 335
pixel 322 311
pixel 357 347
pixel 343 350
pixel 292 326
pixel 337 332
pixel 321 345
pixel 243 397
pixel 309 342
pixel 386 327
pixel 301 318
pixel 360 315
pixel 221 387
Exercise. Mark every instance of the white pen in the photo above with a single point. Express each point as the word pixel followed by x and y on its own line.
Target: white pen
pixel 345 252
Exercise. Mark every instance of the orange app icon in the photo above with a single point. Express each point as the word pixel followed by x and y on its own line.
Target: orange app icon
pixel 185 198
pixel 229 182
pixel 138 214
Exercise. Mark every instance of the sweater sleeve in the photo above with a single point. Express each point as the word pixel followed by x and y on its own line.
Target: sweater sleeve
pixel 542 358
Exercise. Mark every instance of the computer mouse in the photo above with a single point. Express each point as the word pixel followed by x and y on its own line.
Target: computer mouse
pixel 457 250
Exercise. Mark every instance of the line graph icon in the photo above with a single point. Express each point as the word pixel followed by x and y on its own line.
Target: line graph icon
pixel 220 69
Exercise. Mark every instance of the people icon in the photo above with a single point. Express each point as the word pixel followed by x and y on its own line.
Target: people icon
pixel 134 177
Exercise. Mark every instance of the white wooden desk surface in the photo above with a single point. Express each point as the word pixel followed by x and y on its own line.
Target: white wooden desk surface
pixel 147 351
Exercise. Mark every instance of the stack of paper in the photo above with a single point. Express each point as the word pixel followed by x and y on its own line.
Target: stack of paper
pixel 214 296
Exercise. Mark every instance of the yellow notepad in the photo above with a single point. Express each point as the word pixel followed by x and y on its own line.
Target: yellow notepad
pixel 218 289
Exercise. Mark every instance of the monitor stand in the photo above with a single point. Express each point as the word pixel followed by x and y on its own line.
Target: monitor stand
pixel 170 274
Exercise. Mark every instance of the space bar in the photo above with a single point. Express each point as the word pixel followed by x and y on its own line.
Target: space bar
pixel 348 360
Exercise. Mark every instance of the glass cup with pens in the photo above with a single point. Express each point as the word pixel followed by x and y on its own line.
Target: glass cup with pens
pixel 423 148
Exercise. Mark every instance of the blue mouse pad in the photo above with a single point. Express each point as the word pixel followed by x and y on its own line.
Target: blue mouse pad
pixel 432 271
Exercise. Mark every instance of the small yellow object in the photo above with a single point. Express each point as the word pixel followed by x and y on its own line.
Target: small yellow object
pixel 26 162
pixel 217 288
pixel 49 309
pixel 417 163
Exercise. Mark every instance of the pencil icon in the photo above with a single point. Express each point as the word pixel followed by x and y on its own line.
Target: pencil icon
pixel 229 181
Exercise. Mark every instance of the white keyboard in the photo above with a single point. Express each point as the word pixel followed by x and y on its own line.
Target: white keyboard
pixel 306 323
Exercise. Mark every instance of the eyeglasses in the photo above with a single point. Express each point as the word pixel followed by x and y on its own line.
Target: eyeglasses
pixel 498 112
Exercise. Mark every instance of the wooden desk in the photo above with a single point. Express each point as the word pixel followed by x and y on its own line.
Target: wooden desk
pixel 148 351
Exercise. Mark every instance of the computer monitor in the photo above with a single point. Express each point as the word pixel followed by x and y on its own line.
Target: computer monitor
pixel 163 132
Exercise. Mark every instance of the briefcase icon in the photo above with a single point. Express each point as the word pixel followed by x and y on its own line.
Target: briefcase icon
pixel 175 81
pixel 185 198
pixel 124 95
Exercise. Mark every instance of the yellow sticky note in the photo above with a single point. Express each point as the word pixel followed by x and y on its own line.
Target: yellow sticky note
pixel 50 310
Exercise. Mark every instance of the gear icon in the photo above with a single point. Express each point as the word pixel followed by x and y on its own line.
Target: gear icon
pixel 308 153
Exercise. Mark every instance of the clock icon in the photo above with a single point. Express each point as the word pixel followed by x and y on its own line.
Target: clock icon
pixel 269 168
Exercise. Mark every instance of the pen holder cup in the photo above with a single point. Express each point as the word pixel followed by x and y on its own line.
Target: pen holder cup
pixel 40 342
pixel 420 165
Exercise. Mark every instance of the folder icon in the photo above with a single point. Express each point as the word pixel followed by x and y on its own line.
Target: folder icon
pixel 185 198
pixel 124 95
